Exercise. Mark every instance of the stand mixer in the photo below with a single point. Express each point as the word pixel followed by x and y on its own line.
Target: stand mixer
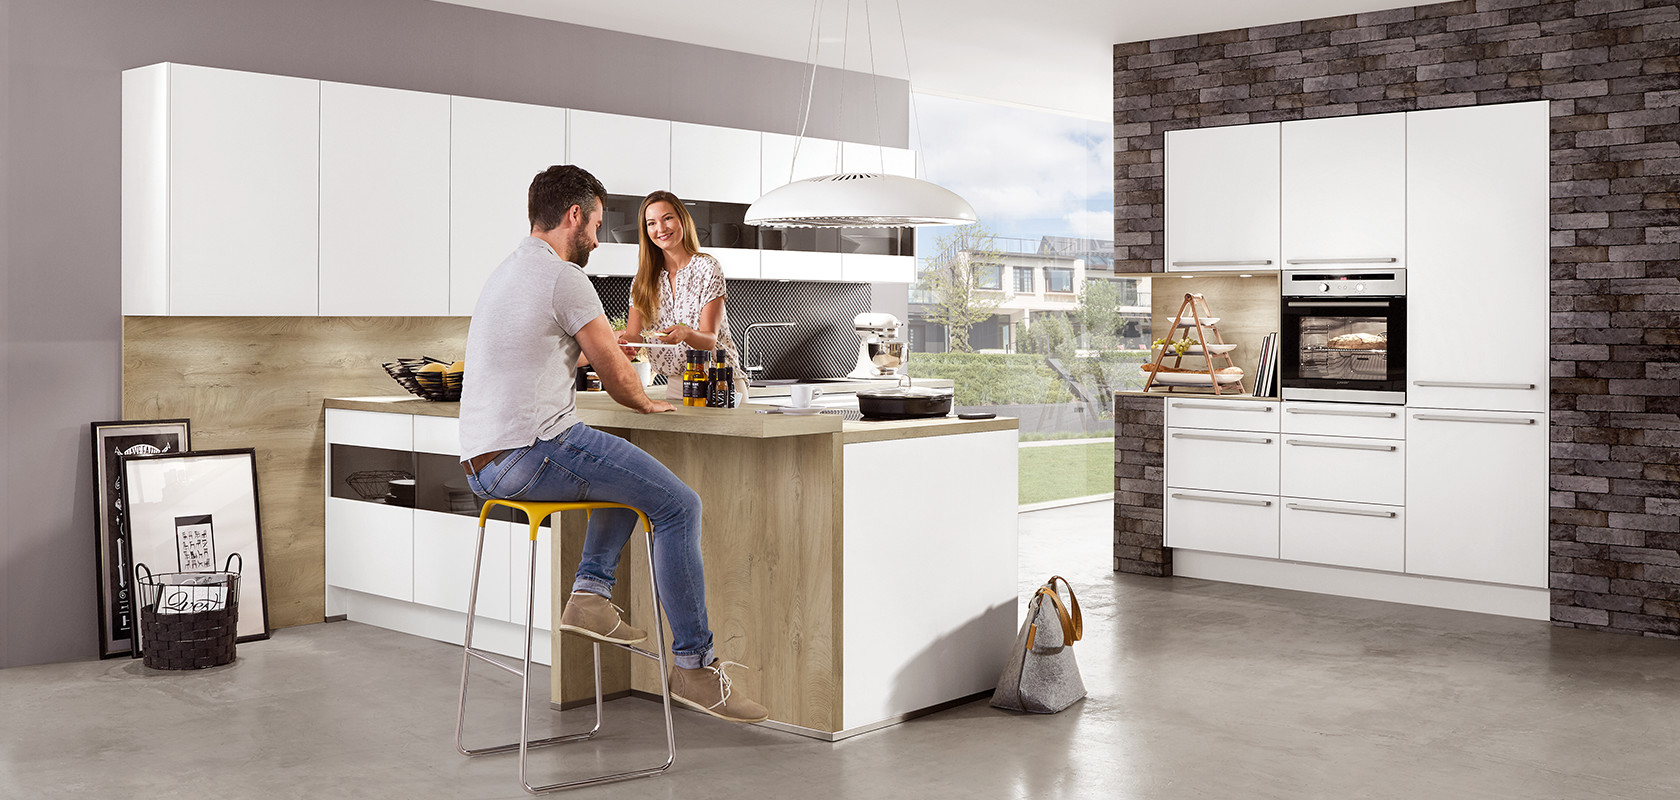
pixel 880 353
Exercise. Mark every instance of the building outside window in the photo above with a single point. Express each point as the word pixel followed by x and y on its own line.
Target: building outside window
pixel 1058 279
pixel 988 276
pixel 1023 280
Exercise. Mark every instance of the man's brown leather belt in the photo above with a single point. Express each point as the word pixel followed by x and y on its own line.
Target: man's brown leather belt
pixel 478 462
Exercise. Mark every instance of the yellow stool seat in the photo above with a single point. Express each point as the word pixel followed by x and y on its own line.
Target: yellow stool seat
pixel 535 513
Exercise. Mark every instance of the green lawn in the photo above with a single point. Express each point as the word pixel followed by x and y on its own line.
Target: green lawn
pixel 1070 470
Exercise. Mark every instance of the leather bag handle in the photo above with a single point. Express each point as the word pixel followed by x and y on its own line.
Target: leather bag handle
pixel 1073 626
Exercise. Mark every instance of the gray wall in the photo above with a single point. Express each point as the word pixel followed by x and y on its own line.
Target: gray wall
pixel 60 97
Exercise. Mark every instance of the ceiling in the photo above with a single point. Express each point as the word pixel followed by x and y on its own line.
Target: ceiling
pixel 1050 54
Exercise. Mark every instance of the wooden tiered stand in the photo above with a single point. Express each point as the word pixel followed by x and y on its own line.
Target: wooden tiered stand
pixel 1202 331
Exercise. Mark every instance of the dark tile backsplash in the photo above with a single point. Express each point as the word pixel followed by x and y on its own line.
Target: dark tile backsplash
pixel 1611 71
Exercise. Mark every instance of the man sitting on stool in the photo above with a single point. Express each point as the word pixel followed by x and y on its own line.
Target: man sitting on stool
pixel 520 430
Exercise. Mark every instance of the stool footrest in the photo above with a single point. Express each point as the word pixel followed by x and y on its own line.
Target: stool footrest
pixel 639 651
pixel 533 744
pixel 494 661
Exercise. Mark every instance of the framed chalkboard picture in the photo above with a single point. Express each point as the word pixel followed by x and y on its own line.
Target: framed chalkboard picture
pixel 188 512
pixel 112 441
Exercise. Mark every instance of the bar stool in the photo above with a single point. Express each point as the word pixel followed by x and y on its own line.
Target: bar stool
pixel 535 513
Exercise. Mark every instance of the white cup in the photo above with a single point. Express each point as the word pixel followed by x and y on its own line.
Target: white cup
pixel 805 394
pixel 644 371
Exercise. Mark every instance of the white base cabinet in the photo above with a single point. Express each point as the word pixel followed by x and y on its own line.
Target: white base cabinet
pixel 1434 497
pixel 1476 492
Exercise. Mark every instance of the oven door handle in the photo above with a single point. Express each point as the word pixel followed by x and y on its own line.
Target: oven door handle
pixel 1339 303
pixel 1341 261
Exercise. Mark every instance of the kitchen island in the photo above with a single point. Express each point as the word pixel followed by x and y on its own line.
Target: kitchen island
pixel 865 571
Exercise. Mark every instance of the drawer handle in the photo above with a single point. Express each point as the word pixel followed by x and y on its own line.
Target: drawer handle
pixel 1217 407
pixel 1472 385
pixel 1349 511
pixel 1341 261
pixel 1262 263
pixel 1493 420
pixel 1380 448
pixel 1212 438
pixel 1321 412
pixel 1229 500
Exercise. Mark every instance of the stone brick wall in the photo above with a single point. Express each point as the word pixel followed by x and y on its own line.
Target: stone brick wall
pixel 1139 426
pixel 1611 69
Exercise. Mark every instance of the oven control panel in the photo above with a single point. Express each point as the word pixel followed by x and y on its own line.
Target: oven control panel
pixel 1324 283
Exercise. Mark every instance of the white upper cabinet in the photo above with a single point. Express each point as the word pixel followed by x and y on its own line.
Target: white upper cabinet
pixel 716 164
pixel 220 192
pixel 778 160
pixel 1222 187
pixel 384 202
pixel 856 157
pixel 630 155
pixel 1344 191
pixel 1478 271
pixel 495 149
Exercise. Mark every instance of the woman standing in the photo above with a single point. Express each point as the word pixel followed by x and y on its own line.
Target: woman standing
pixel 678 291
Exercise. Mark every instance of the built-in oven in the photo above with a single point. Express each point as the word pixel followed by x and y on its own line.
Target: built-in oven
pixel 1344 335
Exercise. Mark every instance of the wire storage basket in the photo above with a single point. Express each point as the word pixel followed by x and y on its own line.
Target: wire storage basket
pixel 188 620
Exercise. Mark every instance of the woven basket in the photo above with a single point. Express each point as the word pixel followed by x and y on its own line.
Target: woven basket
pixel 439 386
pixel 176 636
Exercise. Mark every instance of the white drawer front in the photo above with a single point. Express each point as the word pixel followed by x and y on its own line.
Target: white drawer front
pixel 1222 461
pixel 370 429
pixel 1344 468
pixel 440 435
pixel 1345 419
pixel 1343 534
pixel 1231 415
pixel 370 548
pixel 1221 522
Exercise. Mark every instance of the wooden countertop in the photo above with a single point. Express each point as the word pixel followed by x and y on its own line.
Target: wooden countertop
pixel 600 411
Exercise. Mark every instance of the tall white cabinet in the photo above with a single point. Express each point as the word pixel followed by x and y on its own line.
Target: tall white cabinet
pixel 1478 326
pixel 221 192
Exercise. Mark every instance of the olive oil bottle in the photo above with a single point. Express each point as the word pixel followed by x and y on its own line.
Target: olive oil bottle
pixel 694 386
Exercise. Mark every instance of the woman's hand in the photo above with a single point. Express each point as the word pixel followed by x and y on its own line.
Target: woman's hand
pixel 676 334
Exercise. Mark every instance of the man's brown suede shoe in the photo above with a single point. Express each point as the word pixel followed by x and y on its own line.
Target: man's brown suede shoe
pixel 708 689
pixel 595 617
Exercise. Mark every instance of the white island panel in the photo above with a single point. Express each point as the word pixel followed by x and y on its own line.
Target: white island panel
pixel 930 568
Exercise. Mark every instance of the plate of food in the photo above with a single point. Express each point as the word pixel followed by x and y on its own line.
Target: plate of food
pixel 652 345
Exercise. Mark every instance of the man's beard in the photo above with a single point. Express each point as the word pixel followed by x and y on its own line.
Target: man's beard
pixel 580 248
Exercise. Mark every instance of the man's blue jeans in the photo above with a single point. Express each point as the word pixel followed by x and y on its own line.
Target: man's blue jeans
pixel 585 464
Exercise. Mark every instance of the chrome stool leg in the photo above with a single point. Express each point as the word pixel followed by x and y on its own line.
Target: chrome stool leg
pixel 535 514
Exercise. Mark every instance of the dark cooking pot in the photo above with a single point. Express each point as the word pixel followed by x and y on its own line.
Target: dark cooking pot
pixel 904 403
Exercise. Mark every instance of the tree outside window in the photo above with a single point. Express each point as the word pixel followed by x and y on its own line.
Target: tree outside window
pixel 988 276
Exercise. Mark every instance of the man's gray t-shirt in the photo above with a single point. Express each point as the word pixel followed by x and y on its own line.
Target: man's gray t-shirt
pixel 522 351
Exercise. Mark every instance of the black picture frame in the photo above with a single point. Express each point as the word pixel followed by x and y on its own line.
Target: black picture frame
pixel 112 441
pixel 190 511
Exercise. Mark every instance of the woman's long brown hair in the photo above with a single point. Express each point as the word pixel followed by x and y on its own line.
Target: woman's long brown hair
pixel 644 289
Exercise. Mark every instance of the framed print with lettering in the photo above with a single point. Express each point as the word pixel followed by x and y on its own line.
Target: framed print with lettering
pixel 188 512
pixel 112 441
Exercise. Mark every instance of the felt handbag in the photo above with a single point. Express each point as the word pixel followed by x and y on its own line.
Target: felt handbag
pixel 1041 676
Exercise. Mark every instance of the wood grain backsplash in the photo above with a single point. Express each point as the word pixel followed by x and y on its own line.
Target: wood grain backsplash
pixel 259 382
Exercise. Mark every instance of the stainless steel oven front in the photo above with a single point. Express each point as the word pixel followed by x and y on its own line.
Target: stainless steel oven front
pixel 1344 335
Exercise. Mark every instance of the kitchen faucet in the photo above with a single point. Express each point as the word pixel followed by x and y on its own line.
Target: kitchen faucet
pixel 746 338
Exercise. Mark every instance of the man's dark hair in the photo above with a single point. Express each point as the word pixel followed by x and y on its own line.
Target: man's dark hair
pixel 555 190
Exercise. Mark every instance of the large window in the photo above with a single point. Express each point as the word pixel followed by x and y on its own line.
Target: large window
pixel 988 276
pixel 1023 280
pixel 1058 279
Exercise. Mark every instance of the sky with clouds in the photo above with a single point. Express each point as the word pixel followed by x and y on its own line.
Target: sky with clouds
pixel 1027 173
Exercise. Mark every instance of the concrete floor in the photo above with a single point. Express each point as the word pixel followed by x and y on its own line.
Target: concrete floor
pixel 1198 689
